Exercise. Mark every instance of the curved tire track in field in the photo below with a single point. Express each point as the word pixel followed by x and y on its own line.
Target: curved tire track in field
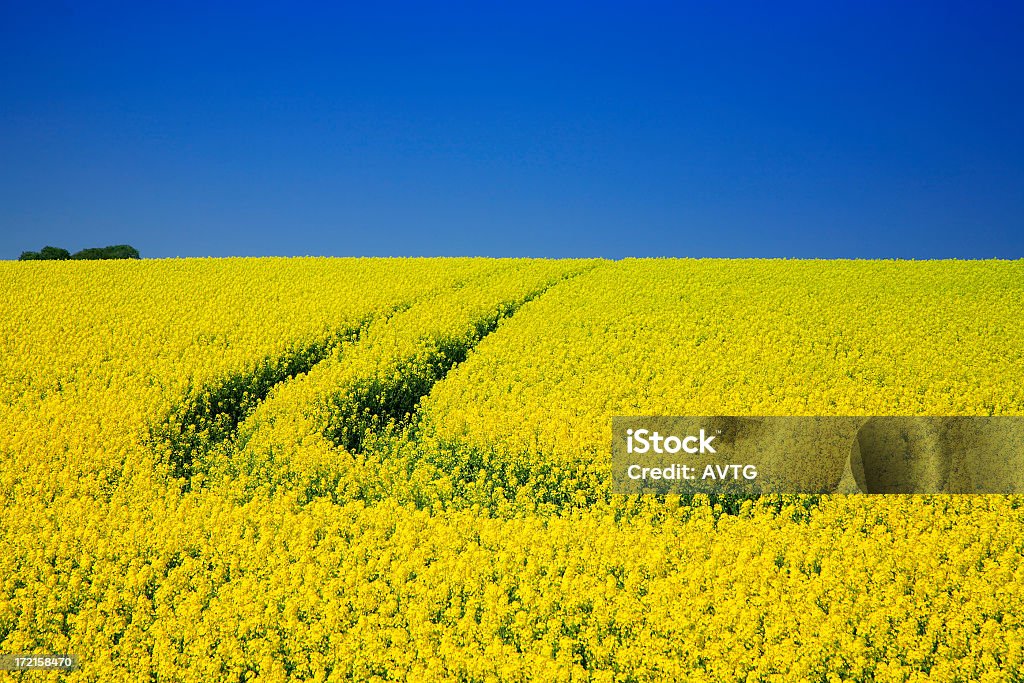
pixel 372 406
pixel 210 415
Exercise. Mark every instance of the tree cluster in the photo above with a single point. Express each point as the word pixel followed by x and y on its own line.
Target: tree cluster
pixel 117 251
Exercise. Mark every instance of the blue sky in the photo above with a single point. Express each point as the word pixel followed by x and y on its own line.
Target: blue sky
pixel 835 129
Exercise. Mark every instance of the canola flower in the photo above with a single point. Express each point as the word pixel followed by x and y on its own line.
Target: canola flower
pixel 706 337
pixel 308 435
pixel 337 527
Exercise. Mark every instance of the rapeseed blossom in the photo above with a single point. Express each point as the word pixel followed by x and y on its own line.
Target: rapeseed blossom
pixel 398 469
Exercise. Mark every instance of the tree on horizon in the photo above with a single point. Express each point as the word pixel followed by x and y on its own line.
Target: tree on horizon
pixel 48 253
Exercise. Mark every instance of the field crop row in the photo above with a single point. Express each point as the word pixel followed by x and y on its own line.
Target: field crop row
pixel 398 469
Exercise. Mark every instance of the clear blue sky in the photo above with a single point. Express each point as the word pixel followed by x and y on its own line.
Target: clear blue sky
pixel 814 129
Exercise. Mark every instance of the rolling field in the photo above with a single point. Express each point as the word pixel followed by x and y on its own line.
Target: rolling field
pixel 399 469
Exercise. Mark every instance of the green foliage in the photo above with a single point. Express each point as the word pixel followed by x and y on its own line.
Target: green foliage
pixel 117 251
pixel 47 253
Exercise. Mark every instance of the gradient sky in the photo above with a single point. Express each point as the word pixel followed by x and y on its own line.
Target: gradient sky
pixel 817 129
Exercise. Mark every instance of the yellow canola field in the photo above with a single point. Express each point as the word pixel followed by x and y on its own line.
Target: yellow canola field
pixel 727 337
pixel 91 353
pixel 301 436
pixel 475 540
